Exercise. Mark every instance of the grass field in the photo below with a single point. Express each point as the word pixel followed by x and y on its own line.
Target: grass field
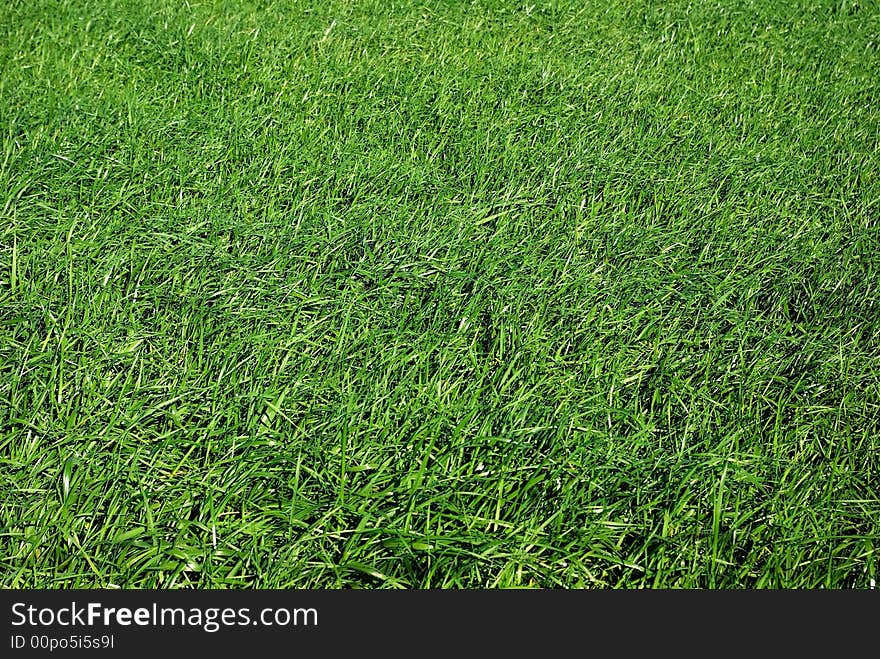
pixel 440 294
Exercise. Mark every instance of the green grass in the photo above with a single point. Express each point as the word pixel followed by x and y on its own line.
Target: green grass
pixel 440 294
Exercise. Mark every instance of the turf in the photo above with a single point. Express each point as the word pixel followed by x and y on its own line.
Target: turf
pixel 423 294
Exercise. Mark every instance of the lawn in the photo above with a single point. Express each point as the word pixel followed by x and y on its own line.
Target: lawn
pixel 439 294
